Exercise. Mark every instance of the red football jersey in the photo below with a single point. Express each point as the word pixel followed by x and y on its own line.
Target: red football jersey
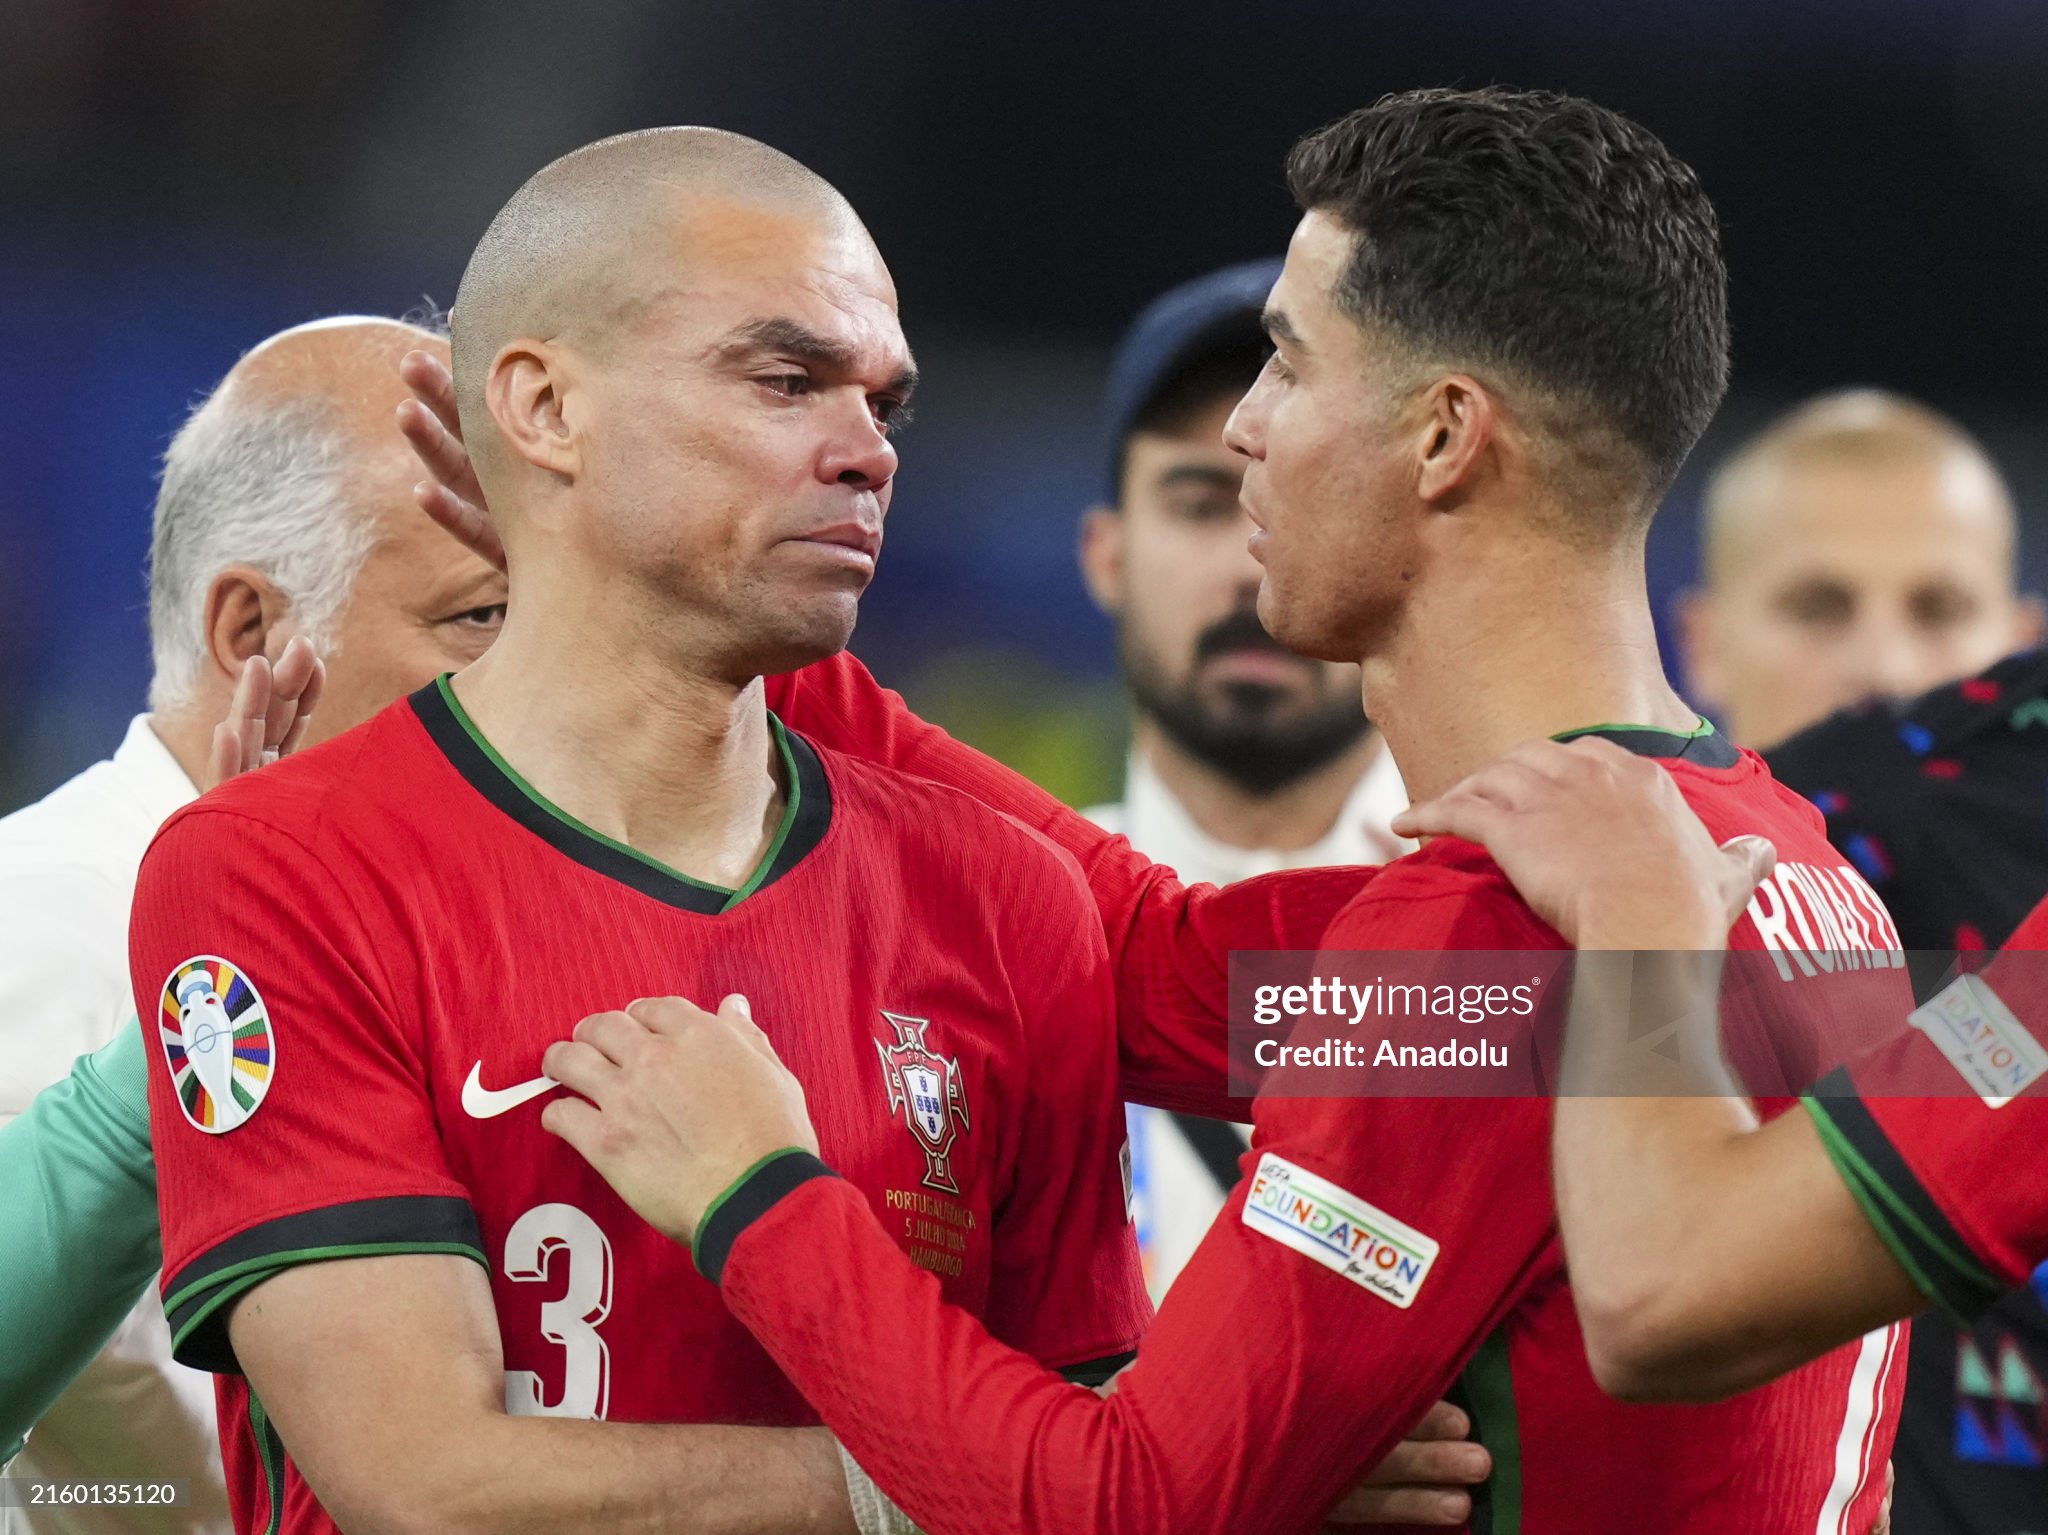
pixel 1169 943
pixel 1287 1360
pixel 349 966
pixel 1957 1186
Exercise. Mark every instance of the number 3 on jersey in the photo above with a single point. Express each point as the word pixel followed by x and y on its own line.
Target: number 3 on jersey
pixel 570 1320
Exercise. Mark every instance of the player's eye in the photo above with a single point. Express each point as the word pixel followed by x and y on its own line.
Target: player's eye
pixel 1276 365
pixel 789 385
pixel 1816 603
pixel 1939 607
pixel 490 616
pixel 891 414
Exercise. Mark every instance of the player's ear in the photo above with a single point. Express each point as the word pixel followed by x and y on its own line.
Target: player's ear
pixel 1459 423
pixel 527 394
pixel 1101 554
pixel 245 615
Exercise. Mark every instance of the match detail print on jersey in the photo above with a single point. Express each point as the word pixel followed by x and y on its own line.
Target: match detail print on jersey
pixel 217 1043
pixel 1338 1230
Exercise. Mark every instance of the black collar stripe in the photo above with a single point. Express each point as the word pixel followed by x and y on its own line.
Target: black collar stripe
pixel 469 758
pixel 1707 749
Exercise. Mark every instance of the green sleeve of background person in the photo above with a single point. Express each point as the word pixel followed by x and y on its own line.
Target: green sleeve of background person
pixel 78 1228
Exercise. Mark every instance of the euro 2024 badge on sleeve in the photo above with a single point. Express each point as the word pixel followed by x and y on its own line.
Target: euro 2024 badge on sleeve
pixel 927 1087
pixel 217 1042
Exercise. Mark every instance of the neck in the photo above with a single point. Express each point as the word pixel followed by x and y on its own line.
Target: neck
pixel 665 757
pixel 1492 651
pixel 187 734
pixel 1287 819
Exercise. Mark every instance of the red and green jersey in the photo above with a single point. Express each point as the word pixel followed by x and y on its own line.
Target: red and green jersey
pixel 1287 1359
pixel 1956 1185
pixel 348 967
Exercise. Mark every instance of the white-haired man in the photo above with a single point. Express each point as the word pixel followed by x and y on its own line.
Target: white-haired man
pixel 283 513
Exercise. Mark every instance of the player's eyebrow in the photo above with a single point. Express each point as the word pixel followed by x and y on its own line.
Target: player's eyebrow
pixel 1280 328
pixel 794 339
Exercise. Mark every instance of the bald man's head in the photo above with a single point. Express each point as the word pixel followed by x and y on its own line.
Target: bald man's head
pixel 596 239
pixel 676 357
pixel 285 508
pixel 1863 433
pixel 1861 545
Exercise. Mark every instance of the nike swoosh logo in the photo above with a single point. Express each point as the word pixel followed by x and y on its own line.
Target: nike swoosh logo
pixel 480 1102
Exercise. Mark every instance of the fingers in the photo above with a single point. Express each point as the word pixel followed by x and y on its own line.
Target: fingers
pixel 1746 862
pixel 581 1067
pixel 574 1121
pixel 1466 812
pixel 294 689
pixel 618 1037
pixel 249 710
pixel 738 1014
pixel 224 760
pixel 309 697
pixel 1444 1462
pixel 461 521
pixel 432 385
pixel 1433 1507
pixel 1446 1420
pixel 437 442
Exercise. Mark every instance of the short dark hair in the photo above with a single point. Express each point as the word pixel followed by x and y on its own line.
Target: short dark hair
pixel 1536 232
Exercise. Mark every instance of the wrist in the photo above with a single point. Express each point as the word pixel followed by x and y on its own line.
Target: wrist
pixel 745 1200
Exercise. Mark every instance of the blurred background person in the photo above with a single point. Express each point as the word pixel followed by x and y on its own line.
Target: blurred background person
pixel 284 510
pixel 1862 546
pixel 1859 551
pixel 1245 757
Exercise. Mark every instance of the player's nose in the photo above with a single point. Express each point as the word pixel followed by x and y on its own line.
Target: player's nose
pixel 858 452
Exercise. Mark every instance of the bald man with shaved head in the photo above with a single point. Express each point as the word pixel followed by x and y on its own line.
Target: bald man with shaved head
pixel 283 518
pixel 1861 546
pixel 678 361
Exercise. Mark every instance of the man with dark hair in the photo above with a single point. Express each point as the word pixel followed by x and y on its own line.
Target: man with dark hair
pixel 1500 327
pixel 1246 757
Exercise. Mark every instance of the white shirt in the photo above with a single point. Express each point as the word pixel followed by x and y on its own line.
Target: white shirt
pixel 1175 1198
pixel 67 877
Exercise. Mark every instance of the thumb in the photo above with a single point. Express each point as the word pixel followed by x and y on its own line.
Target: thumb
pixel 1745 863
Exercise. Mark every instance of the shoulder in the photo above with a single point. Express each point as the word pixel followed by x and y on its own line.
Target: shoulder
pixel 326 796
pixel 1448 894
pixel 1750 798
pixel 950 842
pixel 81 824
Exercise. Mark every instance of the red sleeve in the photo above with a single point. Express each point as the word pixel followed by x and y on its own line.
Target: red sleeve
pixel 1169 944
pixel 1956 1184
pixel 1067 1286
pixel 287 1103
pixel 1369 1252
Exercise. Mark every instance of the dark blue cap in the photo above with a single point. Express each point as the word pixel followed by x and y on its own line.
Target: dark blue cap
pixel 1176 330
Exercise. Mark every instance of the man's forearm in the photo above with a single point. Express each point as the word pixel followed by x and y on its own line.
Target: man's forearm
pixel 1707 1255
pixel 543 1475
pixel 437 1454
pixel 78 1227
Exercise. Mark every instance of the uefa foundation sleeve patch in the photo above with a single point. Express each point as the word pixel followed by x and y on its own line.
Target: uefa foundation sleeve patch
pixel 1338 1230
pixel 217 1042
pixel 1993 1050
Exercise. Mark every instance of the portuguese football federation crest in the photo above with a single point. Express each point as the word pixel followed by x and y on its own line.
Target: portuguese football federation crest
pixel 217 1042
pixel 927 1087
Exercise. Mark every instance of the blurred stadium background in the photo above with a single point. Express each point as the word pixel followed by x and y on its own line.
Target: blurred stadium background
pixel 179 178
